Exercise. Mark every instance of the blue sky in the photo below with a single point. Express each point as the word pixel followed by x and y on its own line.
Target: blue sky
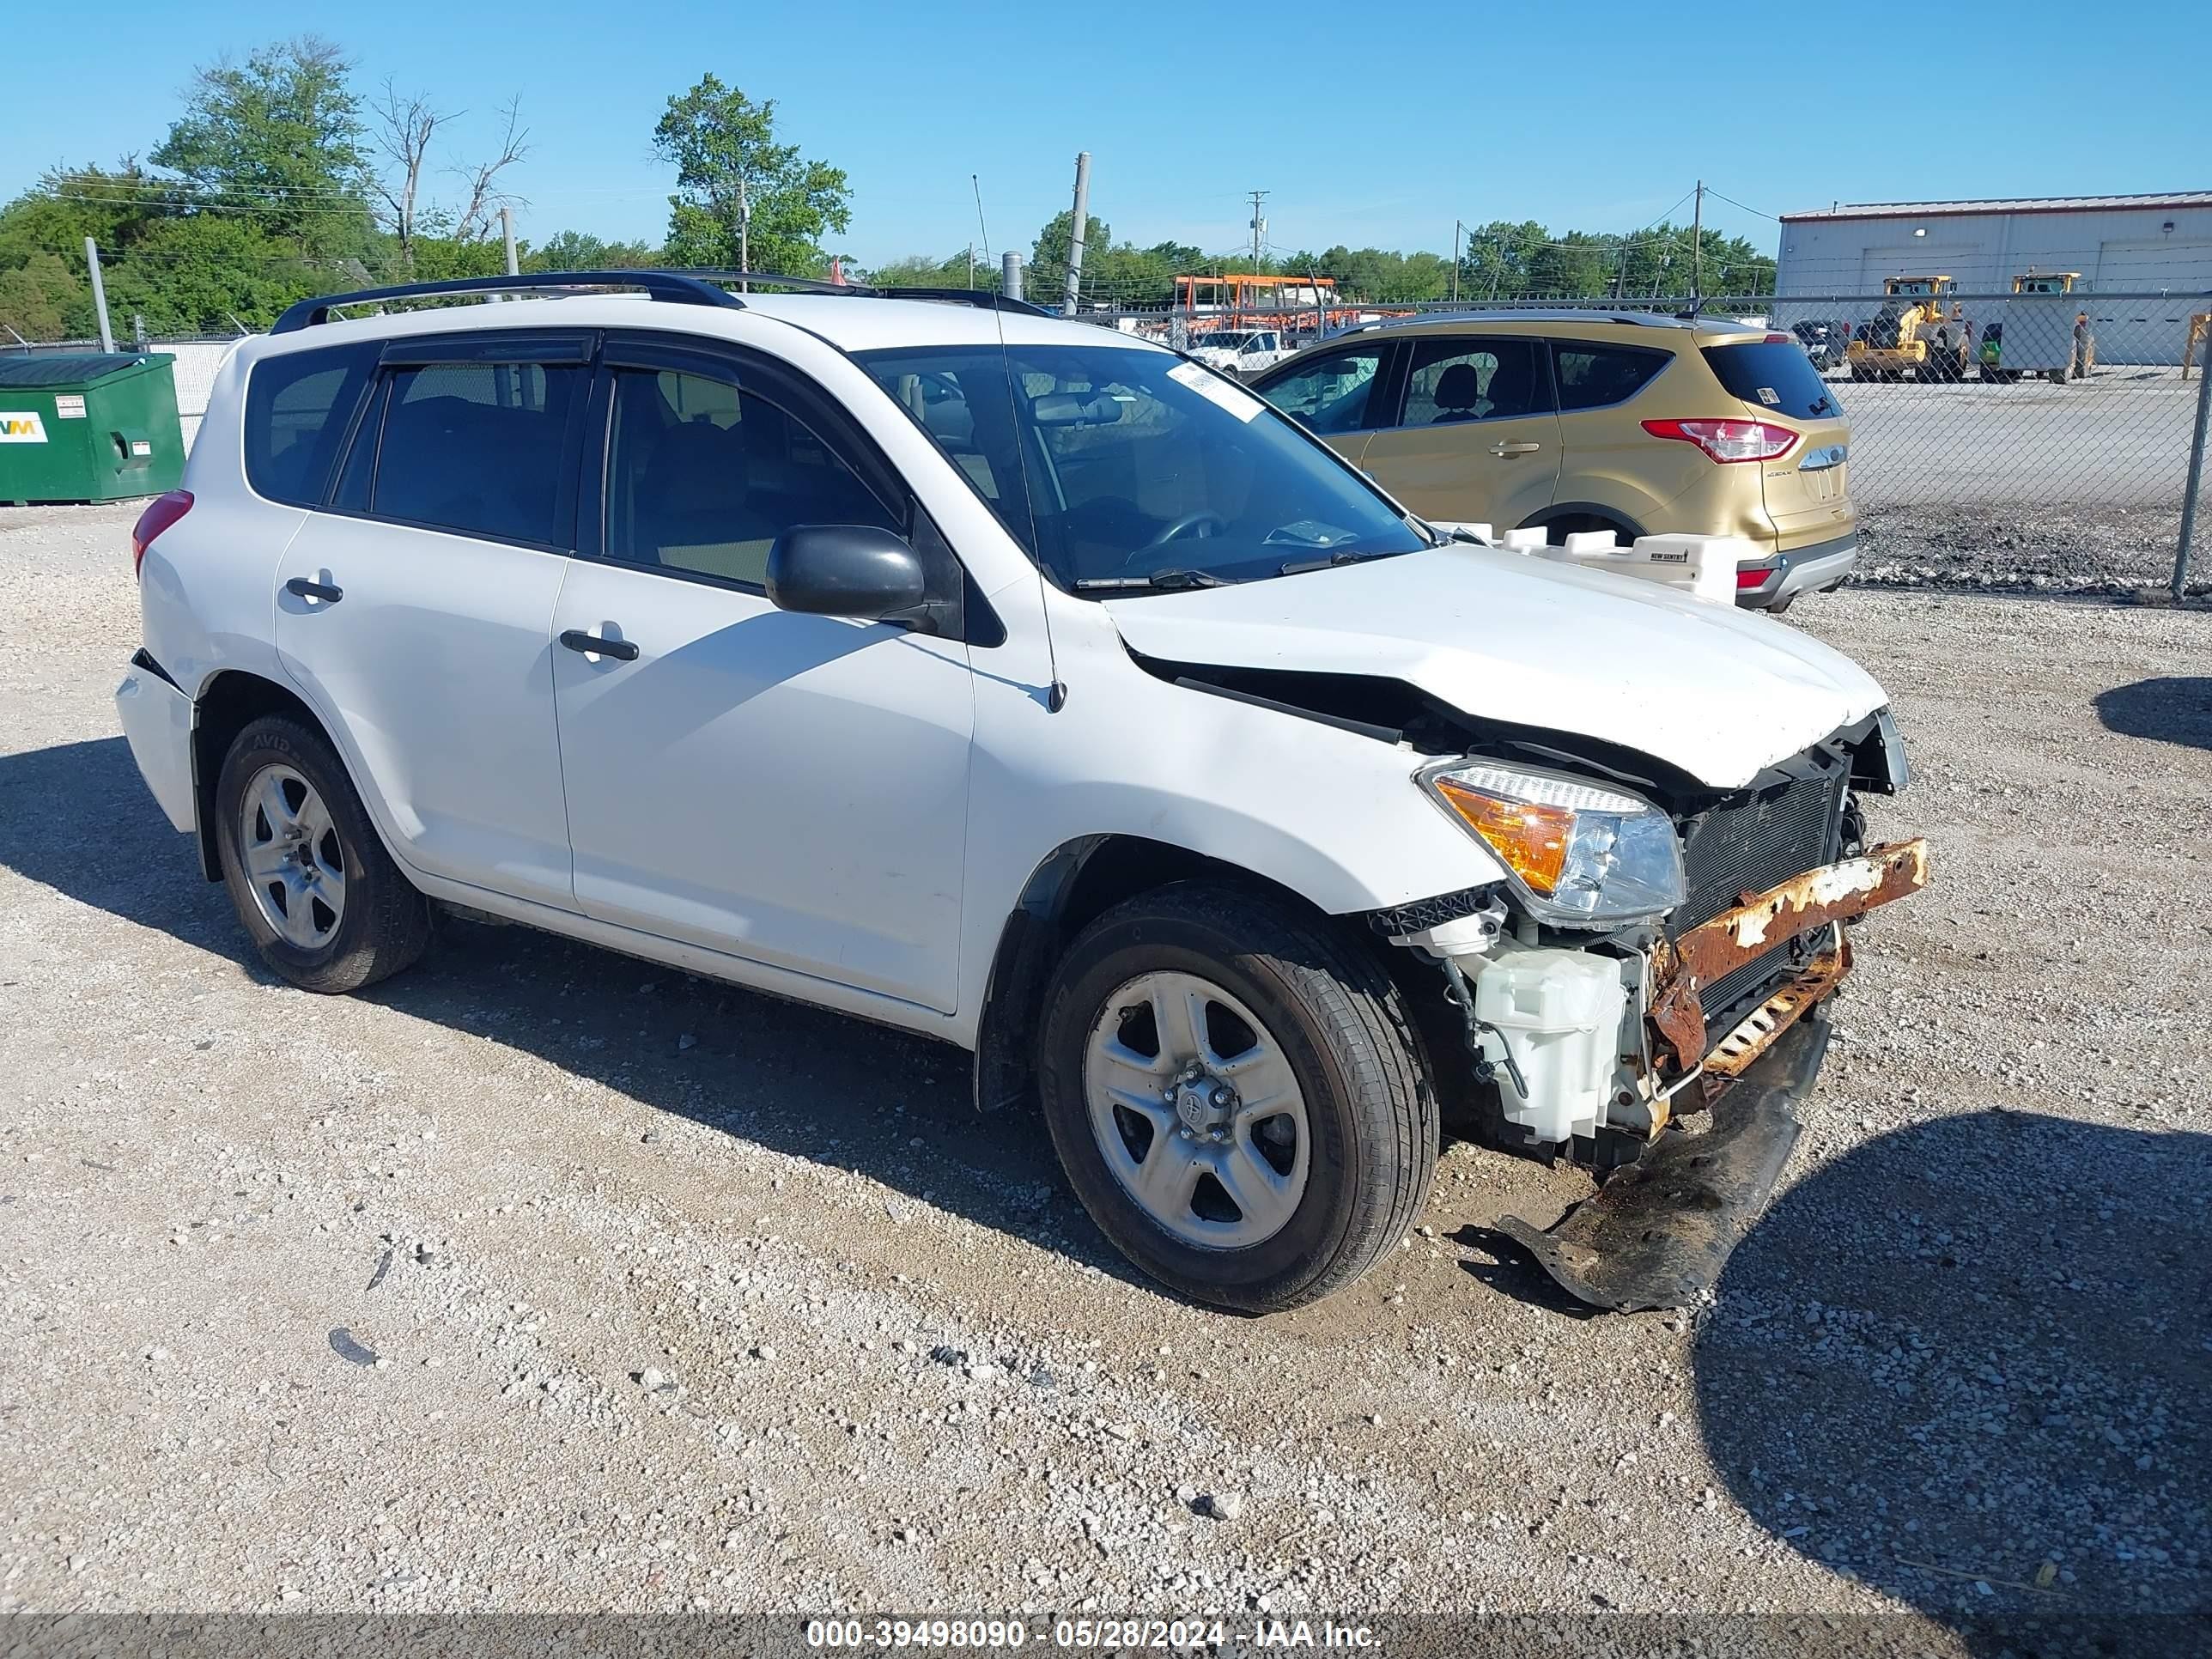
pixel 1592 117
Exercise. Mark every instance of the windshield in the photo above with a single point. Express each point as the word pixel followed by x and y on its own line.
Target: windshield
pixel 1120 467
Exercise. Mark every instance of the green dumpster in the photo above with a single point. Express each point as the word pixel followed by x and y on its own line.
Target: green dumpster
pixel 89 427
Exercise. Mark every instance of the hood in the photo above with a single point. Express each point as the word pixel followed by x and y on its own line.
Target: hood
pixel 1721 693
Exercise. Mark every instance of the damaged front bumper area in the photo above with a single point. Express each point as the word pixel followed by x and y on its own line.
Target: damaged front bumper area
pixel 1597 1051
pixel 1658 1234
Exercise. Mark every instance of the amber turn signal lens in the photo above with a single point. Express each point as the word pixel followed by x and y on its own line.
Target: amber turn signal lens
pixel 1532 839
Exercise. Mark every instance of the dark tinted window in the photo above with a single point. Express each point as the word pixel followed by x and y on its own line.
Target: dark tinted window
pixel 478 448
pixel 704 477
pixel 1327 394
pixel 297 407
pixel 1773 375
pixel 1455 379
pixel 1593 376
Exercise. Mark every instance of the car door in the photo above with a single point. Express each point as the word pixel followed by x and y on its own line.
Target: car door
pixel 792 789
pixel 1472 438
pixel 1334 394
pixel 414 609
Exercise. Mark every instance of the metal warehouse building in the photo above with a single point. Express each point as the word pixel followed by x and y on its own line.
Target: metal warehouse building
pixel 2155 245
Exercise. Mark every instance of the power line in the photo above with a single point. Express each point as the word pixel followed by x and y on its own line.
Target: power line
pixel 1733 203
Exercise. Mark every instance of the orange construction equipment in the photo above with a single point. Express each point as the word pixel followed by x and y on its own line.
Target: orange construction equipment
pixel 1262 302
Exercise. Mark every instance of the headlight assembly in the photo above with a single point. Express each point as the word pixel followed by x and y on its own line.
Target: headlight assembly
pixel 1583 854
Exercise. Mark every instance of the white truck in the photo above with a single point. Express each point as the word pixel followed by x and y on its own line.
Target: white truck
pixel 1239 351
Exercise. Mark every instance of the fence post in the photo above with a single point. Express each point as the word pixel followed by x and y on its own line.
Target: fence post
pixel 98 295
pixel 2196 483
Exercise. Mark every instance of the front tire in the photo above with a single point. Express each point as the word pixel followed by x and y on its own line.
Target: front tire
pixel 325 904
pixel 1238 1095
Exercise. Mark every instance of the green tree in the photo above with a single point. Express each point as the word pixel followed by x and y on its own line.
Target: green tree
pixel 42 299
pixel 718 139
pixel 279 137
pixel 577 249
pixel 209 271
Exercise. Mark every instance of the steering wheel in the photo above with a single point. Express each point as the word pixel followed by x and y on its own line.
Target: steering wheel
pixel 1184 526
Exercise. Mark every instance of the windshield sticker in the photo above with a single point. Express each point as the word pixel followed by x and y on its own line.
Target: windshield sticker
pixel 1212 387
pixel 1767 394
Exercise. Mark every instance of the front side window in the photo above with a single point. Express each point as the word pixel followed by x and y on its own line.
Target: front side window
pixel 1124 466
pixel 1329 395
pixel 298 406
pixel 1459 380
pixel 1595 376
pixel 702 476
pixel 479 448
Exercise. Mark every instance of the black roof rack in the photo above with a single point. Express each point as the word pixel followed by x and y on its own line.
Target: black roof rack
pixel 674 286
pixel 690 287
pixel 987 299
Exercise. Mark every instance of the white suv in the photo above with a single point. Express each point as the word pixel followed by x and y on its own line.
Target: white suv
pixel 1018 683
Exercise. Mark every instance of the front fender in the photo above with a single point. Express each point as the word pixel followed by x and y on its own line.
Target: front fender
pixel 1331 815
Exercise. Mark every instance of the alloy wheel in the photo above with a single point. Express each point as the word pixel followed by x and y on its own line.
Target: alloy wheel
pixel 1197 1111
pixel 294 863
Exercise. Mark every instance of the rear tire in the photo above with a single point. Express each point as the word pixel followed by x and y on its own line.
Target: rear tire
pixel 325 904
pixel 1303 1054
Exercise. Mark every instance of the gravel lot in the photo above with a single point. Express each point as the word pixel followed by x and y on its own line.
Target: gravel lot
pixel 541 1279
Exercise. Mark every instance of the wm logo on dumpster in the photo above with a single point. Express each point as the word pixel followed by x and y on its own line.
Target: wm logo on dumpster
pixel 21 428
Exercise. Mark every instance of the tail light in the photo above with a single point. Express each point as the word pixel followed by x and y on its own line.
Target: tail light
pixel 160 513
pixel 1751 576
pixel 1730 440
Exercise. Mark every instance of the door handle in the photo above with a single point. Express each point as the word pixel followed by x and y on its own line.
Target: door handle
pixel 301 588
pixel 1515 449
pixel 592 646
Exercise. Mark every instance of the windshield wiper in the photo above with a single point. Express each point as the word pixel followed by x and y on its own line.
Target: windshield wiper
pixel 1299 567
pixel 1159 581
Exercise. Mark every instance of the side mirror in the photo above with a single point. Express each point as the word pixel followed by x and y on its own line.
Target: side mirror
pixel 844 570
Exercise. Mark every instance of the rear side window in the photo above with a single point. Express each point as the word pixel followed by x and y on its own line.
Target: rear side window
pixel 1597 377
pixel 297 407
pixel 478 447
pixel 1774 374
pixel 1458 380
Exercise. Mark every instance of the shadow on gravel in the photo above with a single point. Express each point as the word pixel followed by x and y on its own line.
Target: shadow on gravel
pixel 2173 709
pixel 797 1080
pixel 1974 1357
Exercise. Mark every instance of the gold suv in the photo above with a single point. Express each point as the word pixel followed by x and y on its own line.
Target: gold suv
pixel 1568 420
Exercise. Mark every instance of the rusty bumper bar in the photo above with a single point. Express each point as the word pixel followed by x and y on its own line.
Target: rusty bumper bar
pixel 1819 898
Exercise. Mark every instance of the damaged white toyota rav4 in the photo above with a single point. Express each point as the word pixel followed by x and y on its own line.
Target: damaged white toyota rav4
pixel 1035 689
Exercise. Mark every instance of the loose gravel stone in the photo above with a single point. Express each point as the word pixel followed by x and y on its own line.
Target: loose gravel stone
pixel 1969 1339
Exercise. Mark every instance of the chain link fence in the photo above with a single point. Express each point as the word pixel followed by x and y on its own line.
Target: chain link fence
pixel 2002 440
pixel 2026 442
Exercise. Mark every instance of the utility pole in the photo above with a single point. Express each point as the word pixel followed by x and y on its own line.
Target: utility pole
pixel 506 230
pixel 1456 228
pixel 971 264
pixel 1076 226
pixel 1259 225
pixel 1697 247
pixel 744 232
pixel 98 294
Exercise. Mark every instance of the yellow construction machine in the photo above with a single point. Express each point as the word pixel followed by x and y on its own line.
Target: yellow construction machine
pixel 1913 336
